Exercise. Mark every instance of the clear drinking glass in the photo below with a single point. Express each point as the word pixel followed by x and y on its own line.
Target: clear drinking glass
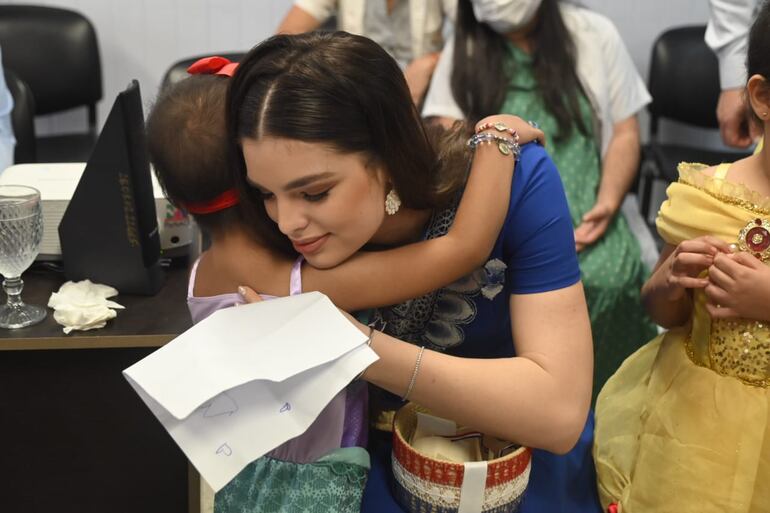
pixel 21 230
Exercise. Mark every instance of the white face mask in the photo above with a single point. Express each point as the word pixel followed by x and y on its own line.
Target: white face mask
pixel 505 15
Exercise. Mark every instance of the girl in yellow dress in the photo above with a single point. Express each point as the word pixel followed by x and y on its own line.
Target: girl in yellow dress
pixel 684 424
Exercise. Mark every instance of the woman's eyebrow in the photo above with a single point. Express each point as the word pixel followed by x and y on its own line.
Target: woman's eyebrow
pixel 298 183
pixel 307 180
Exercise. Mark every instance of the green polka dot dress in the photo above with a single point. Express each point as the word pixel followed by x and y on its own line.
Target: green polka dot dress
pixel 611 269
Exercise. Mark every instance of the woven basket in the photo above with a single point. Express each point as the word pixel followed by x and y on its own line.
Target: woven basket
pixel 427 485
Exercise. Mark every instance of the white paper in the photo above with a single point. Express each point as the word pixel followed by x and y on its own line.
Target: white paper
pixel 247 379
pixel 271 340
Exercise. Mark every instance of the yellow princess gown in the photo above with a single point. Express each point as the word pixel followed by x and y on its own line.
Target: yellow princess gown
pixel 683 425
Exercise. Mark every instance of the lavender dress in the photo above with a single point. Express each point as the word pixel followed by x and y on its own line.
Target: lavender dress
pixel 326 466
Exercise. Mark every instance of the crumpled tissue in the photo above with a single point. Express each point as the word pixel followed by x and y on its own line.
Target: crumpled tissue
pixel 83 305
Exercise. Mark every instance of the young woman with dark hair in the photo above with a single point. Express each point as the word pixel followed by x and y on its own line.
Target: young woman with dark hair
pixel 567 69
pixel 188 148
pixel 330 155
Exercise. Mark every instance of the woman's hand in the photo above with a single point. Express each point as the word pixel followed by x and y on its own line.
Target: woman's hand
pixel 594 225
pixel 527 133
pixel 688 261
pixel 739 286
pixel 250 296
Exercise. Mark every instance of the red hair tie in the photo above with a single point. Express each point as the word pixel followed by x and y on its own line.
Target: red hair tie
pixel 215 65
pixel 225 200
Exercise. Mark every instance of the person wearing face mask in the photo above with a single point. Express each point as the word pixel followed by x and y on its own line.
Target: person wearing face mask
pixel 410 30
pixel 566 68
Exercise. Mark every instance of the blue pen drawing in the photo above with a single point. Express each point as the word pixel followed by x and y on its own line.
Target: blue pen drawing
pixel 224 449
pixel 222 404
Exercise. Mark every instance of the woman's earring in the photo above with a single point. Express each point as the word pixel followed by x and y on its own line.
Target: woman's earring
pixel 392 202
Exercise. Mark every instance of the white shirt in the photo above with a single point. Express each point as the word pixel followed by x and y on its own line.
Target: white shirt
pixel 7 141
pixel 604 67
pixel 727 34
pixel 426 19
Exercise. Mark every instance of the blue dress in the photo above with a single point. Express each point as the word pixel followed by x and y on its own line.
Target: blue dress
pixel 535 252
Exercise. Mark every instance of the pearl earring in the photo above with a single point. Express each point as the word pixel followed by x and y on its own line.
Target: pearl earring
pixel 392 202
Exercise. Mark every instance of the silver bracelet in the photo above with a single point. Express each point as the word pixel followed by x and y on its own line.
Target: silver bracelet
pixel 414 374
pixel 368 343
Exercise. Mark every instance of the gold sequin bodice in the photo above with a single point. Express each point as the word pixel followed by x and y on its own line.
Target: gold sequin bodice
pixel 741 348
pixel 710 205
pixel 732 347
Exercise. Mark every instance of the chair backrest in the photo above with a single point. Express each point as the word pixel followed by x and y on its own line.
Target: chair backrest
pixel 684 78
pixel 178 71
pixel 22 118
pixel 56 53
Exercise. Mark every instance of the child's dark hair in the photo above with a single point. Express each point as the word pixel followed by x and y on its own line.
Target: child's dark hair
pixel 187 143
pixel 758 58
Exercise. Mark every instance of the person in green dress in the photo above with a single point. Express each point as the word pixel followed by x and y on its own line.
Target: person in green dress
pixel 566 68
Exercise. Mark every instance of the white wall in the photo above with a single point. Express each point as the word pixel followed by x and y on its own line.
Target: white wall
pixel 141 38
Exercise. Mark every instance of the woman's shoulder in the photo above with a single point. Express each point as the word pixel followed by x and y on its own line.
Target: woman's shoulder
pixel 537 187
pixel 534 166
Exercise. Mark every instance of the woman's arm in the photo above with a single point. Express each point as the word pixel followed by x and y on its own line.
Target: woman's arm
pixel 618 172
pixel 298 21
pixel 539 398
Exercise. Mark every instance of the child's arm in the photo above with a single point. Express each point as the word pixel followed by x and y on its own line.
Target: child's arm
pixel 665 294
pixel 370 279
pixel 739 286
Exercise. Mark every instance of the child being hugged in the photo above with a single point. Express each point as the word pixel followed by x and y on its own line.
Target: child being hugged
pixel 325 466
pixel 683 424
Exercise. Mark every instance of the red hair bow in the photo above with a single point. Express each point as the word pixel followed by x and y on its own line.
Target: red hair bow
pixel 215 65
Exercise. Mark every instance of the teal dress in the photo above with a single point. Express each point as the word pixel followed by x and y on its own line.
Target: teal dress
pixel 611 269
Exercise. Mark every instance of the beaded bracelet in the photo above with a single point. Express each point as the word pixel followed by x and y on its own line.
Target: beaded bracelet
pixel 500 127
pixel 504 145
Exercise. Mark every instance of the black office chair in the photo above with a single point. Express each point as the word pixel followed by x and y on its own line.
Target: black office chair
pixel 22 118
pixel 684 84
pixel 56 53
pixel 178 71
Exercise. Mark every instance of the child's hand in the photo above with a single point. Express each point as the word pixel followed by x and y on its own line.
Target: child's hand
pixel 739 286
pixel 688 261
pixel 527 133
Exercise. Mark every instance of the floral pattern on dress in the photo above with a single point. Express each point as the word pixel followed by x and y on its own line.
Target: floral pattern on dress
pixel 435 320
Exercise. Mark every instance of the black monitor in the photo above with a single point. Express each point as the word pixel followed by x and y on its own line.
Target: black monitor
pixel 109 232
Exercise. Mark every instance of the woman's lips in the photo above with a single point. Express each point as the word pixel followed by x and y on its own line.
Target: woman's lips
pixel 309 246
